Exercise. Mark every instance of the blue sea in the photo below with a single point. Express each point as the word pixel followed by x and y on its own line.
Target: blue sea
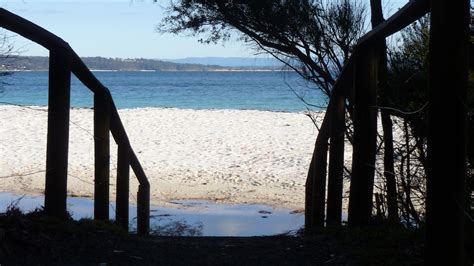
pixel 273 91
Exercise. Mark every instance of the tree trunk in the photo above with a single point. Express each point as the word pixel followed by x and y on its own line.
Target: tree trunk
pixel 408 177
pixel 389 170
pixel 445 203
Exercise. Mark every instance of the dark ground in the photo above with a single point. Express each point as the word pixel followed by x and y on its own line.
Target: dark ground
pixel 37 240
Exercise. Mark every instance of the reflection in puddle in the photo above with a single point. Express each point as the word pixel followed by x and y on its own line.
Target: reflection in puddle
pixel 177 228
pixel 189 217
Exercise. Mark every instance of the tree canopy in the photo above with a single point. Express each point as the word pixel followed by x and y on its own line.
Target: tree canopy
pixel 313 37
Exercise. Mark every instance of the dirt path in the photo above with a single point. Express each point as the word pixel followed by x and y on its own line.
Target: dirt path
pixel 45 241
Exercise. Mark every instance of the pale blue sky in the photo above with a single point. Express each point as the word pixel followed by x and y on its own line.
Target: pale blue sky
pixel 116 28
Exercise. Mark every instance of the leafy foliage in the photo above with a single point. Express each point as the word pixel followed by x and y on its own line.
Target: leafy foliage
pixel 405 95
pixel 313 37
pixel 407 88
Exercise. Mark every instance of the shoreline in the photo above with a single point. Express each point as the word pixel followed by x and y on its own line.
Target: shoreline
pixel 154 70
pixel 222 155
pixel 39 107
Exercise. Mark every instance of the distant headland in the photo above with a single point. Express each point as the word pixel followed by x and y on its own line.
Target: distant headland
pixel 39 63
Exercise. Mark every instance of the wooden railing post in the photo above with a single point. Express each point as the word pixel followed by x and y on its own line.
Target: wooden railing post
pixel 365 135
pixel 143 209
pixel 315 194
pixel 143 198
pixel 336 163
pixel 315 188
pixel 102 156
pixel 315 191
pixel 58 133
pixel 446 180
pixel 123 175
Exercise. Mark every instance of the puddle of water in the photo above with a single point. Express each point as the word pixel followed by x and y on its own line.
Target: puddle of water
pixel 190 217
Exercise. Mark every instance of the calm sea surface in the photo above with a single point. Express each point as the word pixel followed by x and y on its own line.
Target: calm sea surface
pixel 272 91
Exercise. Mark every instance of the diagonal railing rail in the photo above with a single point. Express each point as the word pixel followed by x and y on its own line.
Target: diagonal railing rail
pixel 62 62
pixel 446 211
pixel 347 86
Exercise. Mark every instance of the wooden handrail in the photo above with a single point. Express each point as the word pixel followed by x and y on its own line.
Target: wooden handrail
pixel 408 14
pixel 82 72
pixel 54 43
pixel 48 40
pixel 31 31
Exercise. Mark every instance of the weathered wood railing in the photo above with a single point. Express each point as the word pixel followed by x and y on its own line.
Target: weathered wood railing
pixel 357 83
pixel 62 62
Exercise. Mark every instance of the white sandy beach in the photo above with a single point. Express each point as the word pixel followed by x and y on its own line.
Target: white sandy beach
pixel 224 155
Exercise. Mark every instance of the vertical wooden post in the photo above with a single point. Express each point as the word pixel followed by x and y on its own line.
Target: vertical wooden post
pixel 123 175
pixel 102 156
pixel 336 163
pixel 315 190
pixel 445 203
pixel 365 136
pixel 58 133
pixel 143 209
pixel 316 187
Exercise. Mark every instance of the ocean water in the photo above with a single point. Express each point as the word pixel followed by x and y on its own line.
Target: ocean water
pixel 273 91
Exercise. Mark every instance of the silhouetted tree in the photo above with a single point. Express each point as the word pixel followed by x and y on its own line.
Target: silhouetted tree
pixel 406 98
pixel 313 37
pixel 7 54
